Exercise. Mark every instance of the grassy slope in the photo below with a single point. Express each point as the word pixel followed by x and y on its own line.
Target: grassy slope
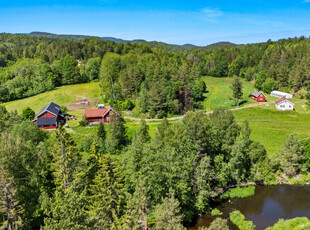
pixel 271 127
pixel 220 94
pixel 63 95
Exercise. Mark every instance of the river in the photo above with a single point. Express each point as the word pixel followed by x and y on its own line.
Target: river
pixel 266 207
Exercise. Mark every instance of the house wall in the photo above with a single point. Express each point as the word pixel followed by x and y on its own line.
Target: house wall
pixel 261 98
pixel 47 114
pixel 285 105
pixel 47 127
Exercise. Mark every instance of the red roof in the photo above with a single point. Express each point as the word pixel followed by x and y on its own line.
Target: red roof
pixel 282 99
pixel 97 112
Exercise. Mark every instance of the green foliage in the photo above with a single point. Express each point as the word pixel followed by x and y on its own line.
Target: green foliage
pixel 67 69
pixel 290 157
pixel 239 192
pixel 217 224
pixel 216 212
pixel 297 223
pixel 101 133
pixel 238 219
pixel 117 137
pixel 83 122
pixel 106 196
pixel 269 85
pixel 64 109
pixel 28 114
pixel 168 214
pixel 237 89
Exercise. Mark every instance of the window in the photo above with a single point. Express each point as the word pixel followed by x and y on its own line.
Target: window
pixel 108 118
pixel 46 114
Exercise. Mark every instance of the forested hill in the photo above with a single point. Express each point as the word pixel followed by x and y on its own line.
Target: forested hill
pixel 156 80
pixel 152 44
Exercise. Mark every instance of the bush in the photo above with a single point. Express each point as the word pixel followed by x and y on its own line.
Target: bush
pixel 83 122
pixel 238 219
pixel 216 212
pixel 239 192
pixel 296 223
pixel 161 114
pixel 129 105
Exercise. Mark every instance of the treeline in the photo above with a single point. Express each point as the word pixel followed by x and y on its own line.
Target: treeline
pixel 48 181
pixel 282 65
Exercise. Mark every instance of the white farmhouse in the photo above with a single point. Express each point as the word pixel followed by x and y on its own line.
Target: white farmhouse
pixel 284 104
pixel 280 94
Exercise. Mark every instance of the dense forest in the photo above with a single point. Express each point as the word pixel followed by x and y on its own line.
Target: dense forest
pixel 111 181
pixel 155 80
pixel 48 181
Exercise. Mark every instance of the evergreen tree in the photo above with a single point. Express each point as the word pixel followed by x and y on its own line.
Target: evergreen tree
pixel 67 210
pixel 117 135
pixel 290 156
pixel 143 132
pixel 168 215
pixel 106 196
pixel 101 132
pixel 237 89
pixel 66 158
pixel 10 210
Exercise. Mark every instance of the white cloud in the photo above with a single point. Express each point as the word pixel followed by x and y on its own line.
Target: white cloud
pixel 212 12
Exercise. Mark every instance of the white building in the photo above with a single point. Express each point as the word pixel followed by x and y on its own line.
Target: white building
pixel 284 104
pixel 280 94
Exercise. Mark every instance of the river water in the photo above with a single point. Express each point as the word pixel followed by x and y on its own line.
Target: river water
pixel 266 207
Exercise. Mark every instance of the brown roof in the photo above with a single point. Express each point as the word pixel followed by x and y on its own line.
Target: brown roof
pixel 256 93
pixel 283 99
pixel 97 112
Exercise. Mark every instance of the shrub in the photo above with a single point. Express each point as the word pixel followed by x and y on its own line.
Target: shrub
pixel 83 122
pixel 161 114
pixel 239 192
pixel 238 219
pixel 296 223
pixel 216 212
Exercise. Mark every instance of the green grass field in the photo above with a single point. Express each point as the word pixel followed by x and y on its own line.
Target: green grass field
pixel 63 95
pixel 269 126
pixel 219 93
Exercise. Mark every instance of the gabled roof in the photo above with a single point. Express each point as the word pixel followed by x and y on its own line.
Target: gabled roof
pixel 257 93
pixel 283 99
pixel 47 121
pixel 97 112
pixel 52 108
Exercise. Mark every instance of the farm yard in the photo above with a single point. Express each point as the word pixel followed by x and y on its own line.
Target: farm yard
pixel 269 126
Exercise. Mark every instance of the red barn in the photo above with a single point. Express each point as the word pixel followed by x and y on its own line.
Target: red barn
pixel 49 117
pixel 258 96
pixel 94 116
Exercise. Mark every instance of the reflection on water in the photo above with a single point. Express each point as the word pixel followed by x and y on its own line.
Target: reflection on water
pixel 267 206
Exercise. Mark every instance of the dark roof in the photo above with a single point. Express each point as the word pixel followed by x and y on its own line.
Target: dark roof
pixel 47 121
pixel 52 108
pixel 257 93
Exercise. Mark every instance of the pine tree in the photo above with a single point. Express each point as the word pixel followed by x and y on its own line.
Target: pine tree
pixel 117 136
pixel 106 196
pixel 237 89
pixel 67 210
pixel 101 132
pixel 10 210
pixel 66 158
pixel 168 215
pixel 143 132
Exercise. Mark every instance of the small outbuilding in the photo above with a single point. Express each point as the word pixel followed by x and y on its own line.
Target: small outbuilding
pixel 280 94
pixel 258 96
pixel 284 104
pixel 94 116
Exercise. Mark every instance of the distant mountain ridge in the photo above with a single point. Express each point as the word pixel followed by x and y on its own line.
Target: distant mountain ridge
pixel 118 40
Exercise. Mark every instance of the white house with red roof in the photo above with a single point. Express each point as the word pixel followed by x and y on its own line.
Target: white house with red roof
pixel 94 116
pixel 284 104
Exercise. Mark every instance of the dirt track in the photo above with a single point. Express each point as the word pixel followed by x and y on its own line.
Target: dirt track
pixel 209 112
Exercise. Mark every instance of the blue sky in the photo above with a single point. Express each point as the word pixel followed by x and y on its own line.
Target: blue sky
pixel 178 22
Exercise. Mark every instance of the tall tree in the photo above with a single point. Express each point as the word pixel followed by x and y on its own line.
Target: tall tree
pixel 106 196
pixel 66 158
pixel 168 215
pixel 28 113
pixel 237 89
pixel 117 135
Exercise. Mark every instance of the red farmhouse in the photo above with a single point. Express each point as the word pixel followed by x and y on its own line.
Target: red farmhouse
pixel 94 116
pixel 258 96
pixel 49 117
